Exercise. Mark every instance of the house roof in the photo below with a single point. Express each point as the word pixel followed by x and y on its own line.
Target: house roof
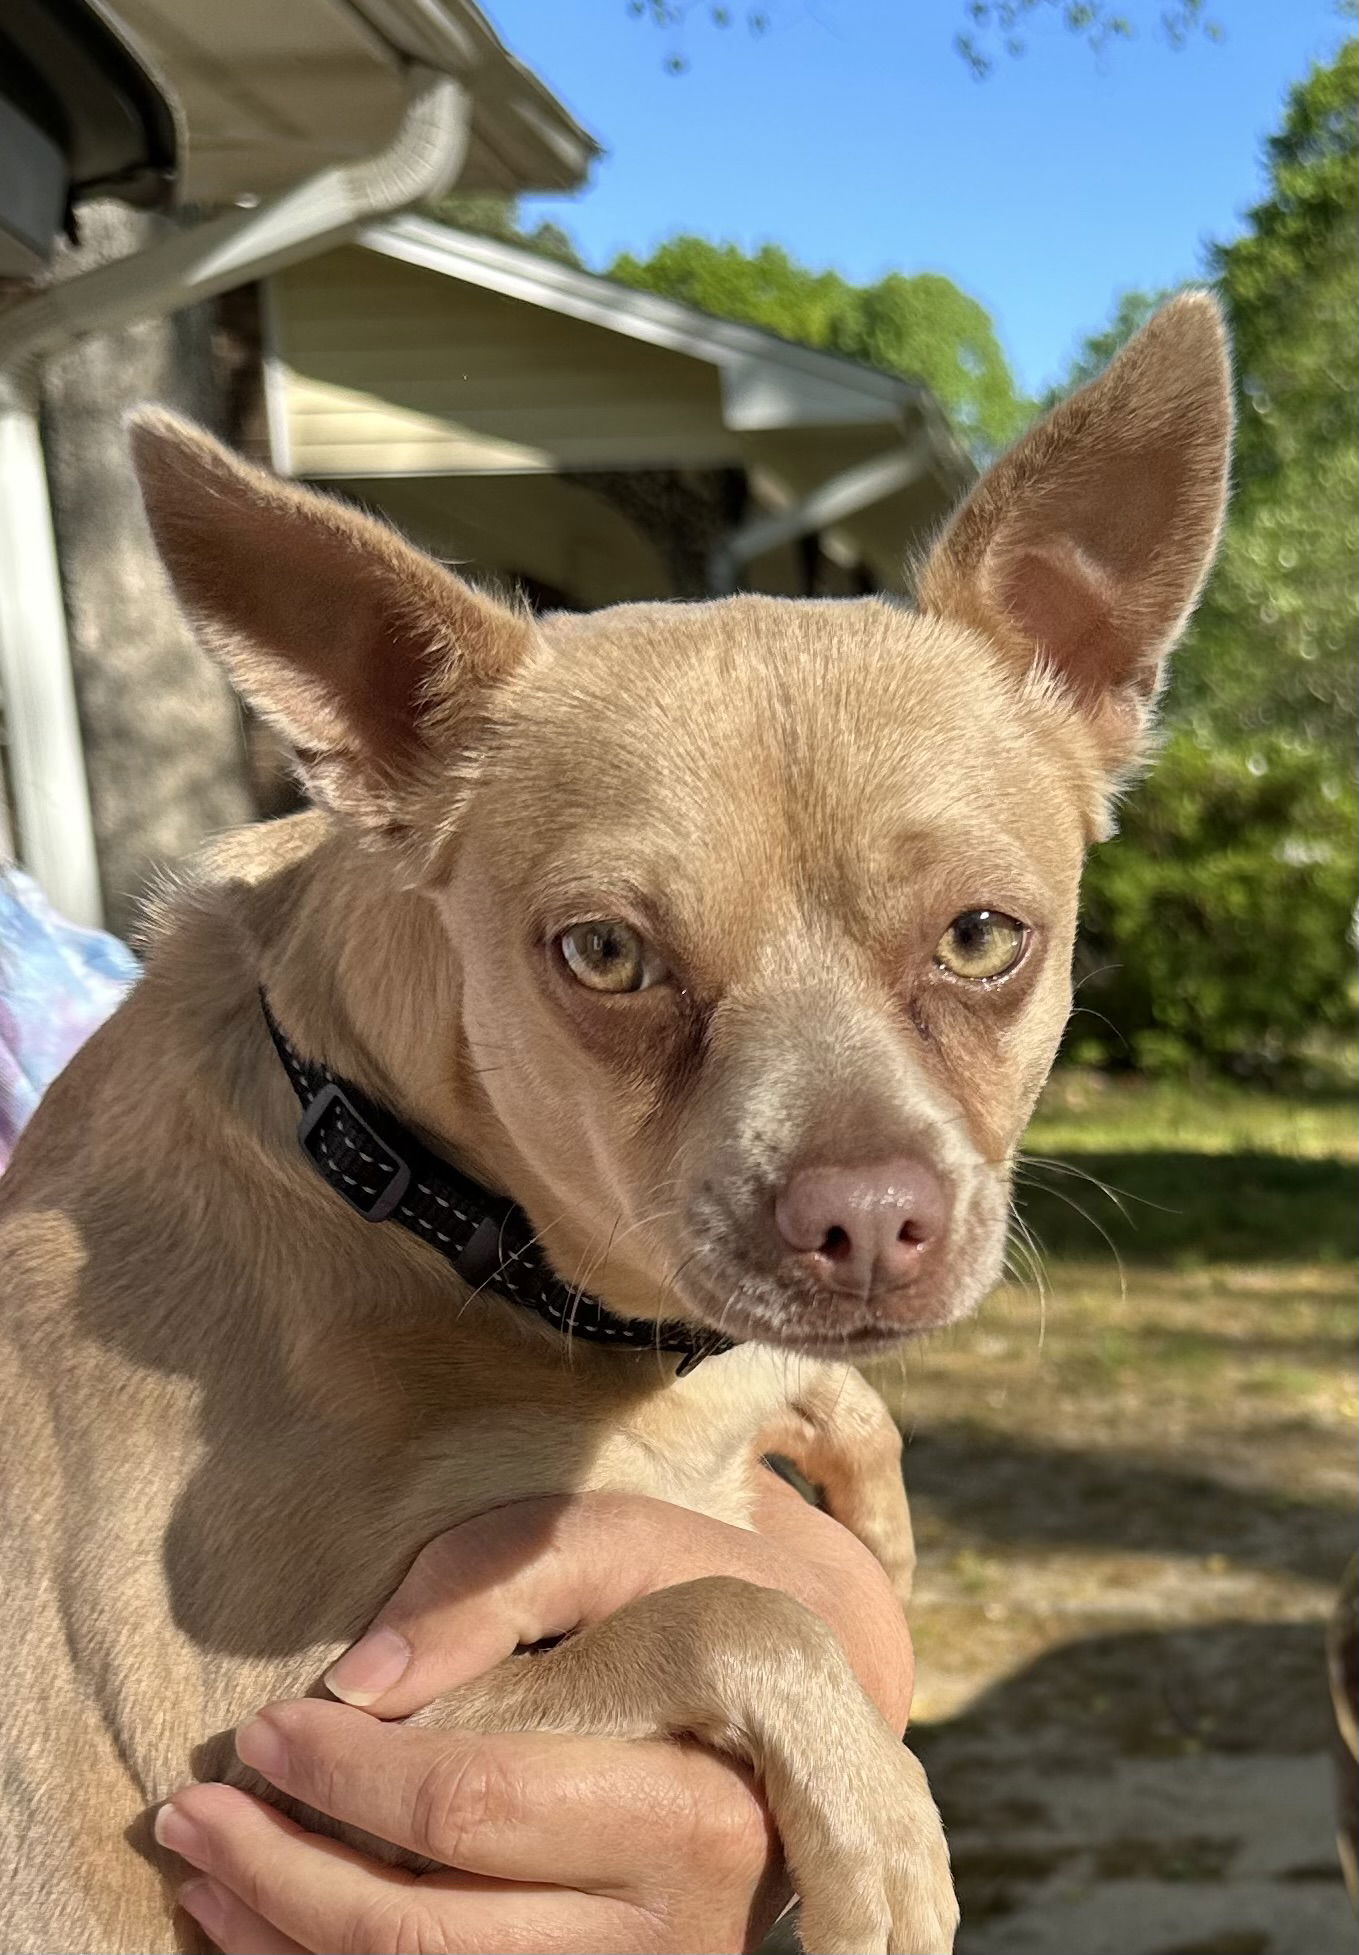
pixel 767 381
pixel 421 354
pixel 266 92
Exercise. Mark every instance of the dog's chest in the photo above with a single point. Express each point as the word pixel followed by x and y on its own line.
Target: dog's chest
pixel 696 1444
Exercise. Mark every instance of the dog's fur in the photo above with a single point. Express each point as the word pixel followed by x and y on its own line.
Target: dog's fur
pixel 234 1411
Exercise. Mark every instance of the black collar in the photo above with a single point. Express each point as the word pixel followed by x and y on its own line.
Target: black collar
pixel 385 1173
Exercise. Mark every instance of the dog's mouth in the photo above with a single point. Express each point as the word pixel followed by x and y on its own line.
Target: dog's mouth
pixel 741 1295
pixel 815 1321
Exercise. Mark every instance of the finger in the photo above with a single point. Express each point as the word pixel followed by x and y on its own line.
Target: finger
pixel 845 1584
pixel 527 1571
pixel 325 1896
pixel 230 1925
pixel 540 1568
pixel 518 1806
pixel 474 1595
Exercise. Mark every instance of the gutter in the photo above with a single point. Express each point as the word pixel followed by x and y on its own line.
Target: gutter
pixel 46 764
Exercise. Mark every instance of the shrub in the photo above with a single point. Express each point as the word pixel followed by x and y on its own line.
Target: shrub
pixel 1217 926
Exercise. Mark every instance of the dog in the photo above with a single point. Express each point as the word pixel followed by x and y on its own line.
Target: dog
pixel 729 943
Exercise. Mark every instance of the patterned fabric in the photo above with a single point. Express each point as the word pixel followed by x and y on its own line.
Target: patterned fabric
pixel 57 984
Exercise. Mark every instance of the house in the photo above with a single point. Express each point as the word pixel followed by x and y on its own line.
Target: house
pixel 195 147
pixel 545 428
pixel 587 442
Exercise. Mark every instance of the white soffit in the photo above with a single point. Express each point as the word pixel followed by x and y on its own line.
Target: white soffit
pixel 266 92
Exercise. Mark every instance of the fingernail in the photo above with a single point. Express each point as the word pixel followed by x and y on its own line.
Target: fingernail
pixel 180 1834
pixel 258 1743
pixel 206 1902
pixel 364 1673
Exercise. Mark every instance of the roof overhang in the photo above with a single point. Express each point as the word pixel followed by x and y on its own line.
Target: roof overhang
pixel 420 353
pixel 282 153
pixel 258 111
pixel 198 102
pixel 79 117
pixel 767 382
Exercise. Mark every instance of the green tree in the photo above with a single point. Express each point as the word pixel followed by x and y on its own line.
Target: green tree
pixel 1274 643
pixel 919 325
pixel 1131 312
pixel 1214 927
pixel 491 216
pixel 922 324
pixel 1217 926
pixel 1272 648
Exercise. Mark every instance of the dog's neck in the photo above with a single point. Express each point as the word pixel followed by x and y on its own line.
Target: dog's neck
pixel 361 971
pixel 363 974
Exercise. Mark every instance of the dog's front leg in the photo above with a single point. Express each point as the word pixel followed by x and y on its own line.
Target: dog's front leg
pixel 756 1675
pixel 842 1438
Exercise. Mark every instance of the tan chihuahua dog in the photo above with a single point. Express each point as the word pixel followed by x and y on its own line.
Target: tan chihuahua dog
pixel 731 943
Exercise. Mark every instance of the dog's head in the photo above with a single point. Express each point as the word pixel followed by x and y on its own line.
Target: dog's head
pixel 762 910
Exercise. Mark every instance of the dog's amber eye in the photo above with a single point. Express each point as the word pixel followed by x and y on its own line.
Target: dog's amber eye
pixel 981 944
pixel 609 956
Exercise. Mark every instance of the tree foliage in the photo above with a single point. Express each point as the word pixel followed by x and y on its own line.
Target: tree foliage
pixel 1275 640
pixel 1214 927
pixel 492 216
pixel 990 27
pixel 1273 645
pixel 1222 914
pixel 1272 648
pixel 1001 26
pixel 1131 312
pixel 919 325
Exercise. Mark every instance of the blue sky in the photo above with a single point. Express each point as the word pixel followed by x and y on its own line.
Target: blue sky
pixel 853 134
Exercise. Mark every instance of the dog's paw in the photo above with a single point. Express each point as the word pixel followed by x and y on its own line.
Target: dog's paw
pixel 886 1888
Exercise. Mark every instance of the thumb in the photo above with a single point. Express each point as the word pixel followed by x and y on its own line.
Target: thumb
pixel 528 1571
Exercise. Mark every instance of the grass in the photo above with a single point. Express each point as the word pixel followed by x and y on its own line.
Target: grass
pixel 1188 1175
pixel 1085 1111
pixel 1200 1299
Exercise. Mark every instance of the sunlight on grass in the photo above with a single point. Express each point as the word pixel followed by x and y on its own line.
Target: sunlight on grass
pixel 1084 1113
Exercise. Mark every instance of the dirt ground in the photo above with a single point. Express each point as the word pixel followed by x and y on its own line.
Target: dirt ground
pixel 1134 1499
pixel 1119 1621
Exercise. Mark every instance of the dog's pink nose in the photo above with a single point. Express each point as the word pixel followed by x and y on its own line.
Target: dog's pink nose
pixel 863 1229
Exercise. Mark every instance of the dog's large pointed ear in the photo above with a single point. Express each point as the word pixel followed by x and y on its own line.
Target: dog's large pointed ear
pixel 370 658
pixel 1085 547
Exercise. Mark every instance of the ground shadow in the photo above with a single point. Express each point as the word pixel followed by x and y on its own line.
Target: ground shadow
pixel 1176 1710
pixel 976 1486
pixel 1176 1208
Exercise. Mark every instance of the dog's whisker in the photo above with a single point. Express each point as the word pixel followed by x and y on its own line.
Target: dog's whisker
pixel 1030 1167
pixel 594 1261
pixel 489 1281
pixel 1088 1011
pixel 1100 1230
pixel 1101 970
pixel 1049 1164
pixel 1025 1242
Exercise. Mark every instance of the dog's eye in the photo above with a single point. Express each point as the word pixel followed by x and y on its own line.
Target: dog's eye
pixel 981 944
pixel 608 956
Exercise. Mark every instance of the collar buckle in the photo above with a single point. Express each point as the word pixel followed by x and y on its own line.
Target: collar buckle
pixel 351 1156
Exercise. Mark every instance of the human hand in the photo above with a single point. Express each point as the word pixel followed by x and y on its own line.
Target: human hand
pixel 558 1843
